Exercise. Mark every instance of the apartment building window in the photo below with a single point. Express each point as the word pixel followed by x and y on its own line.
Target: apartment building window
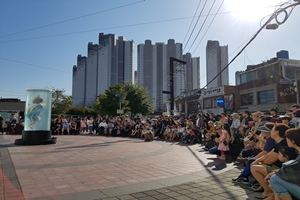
pixel 262 73
pixel 247 99
pixel 244 78
pixel 267 96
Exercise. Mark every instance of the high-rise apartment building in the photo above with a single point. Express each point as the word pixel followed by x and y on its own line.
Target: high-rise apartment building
pixel 154 67
pixel 108 63
pixel 216 61
pixel 192 71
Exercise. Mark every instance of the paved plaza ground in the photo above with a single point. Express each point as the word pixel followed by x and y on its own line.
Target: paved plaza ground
pixel 85 167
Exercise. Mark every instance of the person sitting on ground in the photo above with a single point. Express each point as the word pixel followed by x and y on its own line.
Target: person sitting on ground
pixel 262 166
pixel 102 126
pixel 209 135
pixel 66 127
pixel 269 145
pixel 190 134
pixel 285 154
pixel 168 132
pixel 147 133
pixel 73 127
pixel 286 181
pixel 287 120
pixel 175 133
pixel 90 123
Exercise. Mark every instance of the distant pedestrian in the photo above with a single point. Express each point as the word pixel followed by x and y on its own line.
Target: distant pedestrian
pixel 1 127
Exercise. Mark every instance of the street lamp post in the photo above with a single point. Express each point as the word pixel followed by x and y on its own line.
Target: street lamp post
pixel 296 86
pixel 120 102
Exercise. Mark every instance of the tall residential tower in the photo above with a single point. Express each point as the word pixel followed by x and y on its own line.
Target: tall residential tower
pixel 216 61
pixel 154 67
pixel 108 63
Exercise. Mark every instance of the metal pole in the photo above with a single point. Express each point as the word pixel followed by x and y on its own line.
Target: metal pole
pixel 171 84
pixel 120 108
pixel 186 102
pixel 296 87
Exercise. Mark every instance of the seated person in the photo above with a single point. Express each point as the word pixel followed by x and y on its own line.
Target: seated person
pixel 102 126
pixel 66 126
pixel 73 127
pixel 286 181
pixel 269 145
pixel 262 166
pixel 168 132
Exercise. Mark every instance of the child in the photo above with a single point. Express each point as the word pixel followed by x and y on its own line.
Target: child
pixel 90 123
pixel 286 154
pixel 223 141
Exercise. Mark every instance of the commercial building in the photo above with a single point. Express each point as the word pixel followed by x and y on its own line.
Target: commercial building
pixel 219 100
pixel 271 84
pixel 108 63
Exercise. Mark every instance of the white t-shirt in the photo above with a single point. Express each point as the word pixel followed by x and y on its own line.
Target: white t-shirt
pixel 90 122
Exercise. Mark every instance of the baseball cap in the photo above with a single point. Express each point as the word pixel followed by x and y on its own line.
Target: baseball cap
pixel 295 106
pixel 219 124
pixel 210 122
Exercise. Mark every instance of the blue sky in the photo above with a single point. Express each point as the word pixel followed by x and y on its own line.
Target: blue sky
pixel 40 40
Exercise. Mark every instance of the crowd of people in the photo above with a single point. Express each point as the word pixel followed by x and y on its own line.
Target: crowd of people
pixel 267 144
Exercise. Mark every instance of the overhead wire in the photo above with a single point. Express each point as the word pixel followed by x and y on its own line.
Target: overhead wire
pixel 115 27
pixel 93 30
pixel 218 13
pixel 177 69
pixel 209 26
pixel 195 26
pixel 275 14
pixel 72 19
pixel 180 51
pixel 202 25
pixel 192 21
pixel 38 66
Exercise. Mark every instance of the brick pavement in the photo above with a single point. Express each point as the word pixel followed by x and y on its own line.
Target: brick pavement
pixel 93 167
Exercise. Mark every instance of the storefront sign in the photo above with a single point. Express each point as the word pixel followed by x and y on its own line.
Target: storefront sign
pixel 213 92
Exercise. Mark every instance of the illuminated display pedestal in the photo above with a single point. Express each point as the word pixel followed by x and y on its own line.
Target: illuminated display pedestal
pixel 37 118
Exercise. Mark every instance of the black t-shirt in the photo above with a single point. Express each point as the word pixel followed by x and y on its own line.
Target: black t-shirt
pixel 282 143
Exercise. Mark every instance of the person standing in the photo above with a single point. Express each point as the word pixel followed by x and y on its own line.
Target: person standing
pixel 1 122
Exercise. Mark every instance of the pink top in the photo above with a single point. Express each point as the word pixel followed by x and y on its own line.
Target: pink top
pixel 223 137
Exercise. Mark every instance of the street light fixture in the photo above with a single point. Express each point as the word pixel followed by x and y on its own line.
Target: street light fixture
pixel 121 96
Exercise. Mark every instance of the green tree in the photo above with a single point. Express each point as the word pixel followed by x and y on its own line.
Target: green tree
pixel 61 103
pixel 138 99
pixel 81 110
pixel 108 103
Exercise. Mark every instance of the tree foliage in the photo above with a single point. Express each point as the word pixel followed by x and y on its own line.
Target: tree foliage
pixel 108 103
pixel 61 103
pixel 81 110
pixel 139 101
pixel 136 100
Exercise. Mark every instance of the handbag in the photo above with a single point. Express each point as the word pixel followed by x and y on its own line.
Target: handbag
pixel 225 143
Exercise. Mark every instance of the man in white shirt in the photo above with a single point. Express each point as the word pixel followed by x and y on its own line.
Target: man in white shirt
pixel 102 126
